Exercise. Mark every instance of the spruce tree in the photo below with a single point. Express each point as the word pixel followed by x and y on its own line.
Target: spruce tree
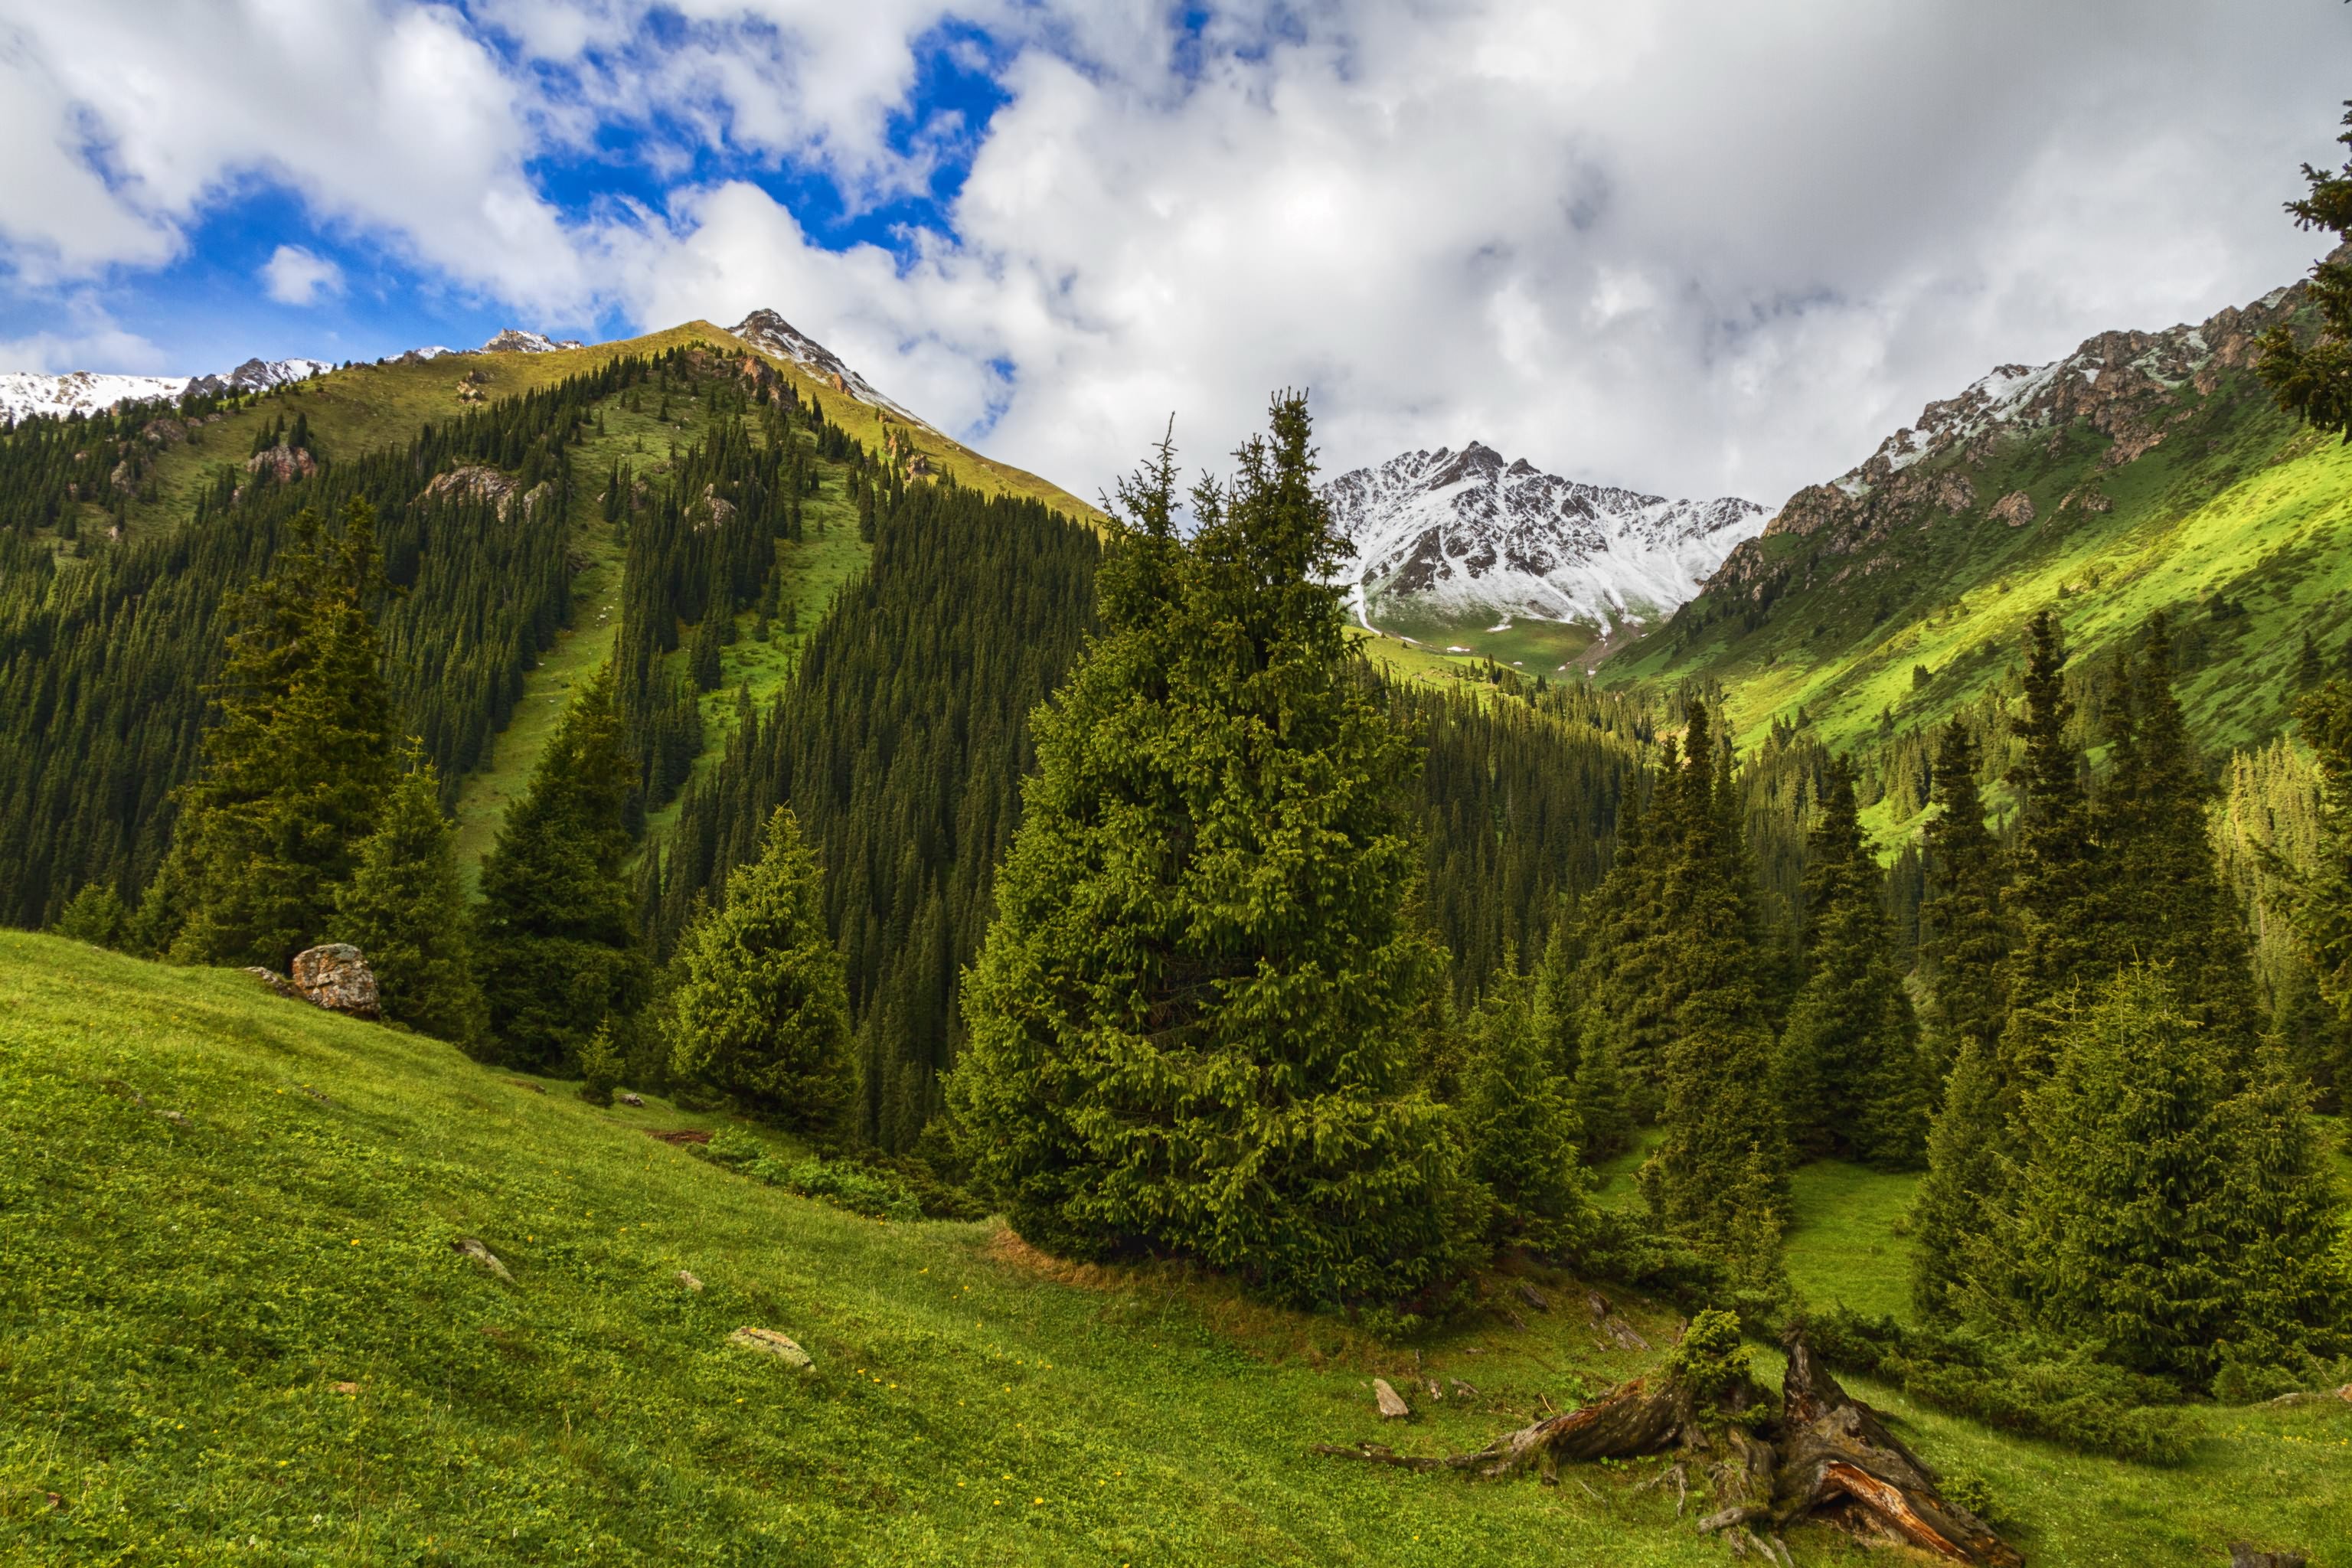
pixel 760 1009
pixel 1520 1120
pixel 556 942
pixel 1719 1174
pixel 2312 380
pixel 2163 894
pixel 1963 937
pixel 2055 897
pixel 297 766
pixel 2159 1219
pixel 1625 1007
pixel 1194 1019
pixel 1965 1150
pixel 96 915
pixel 1848 1074
pixel 2322 895
pixel 404 908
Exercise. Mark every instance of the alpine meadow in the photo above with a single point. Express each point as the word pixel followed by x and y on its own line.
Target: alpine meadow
pixel 618 948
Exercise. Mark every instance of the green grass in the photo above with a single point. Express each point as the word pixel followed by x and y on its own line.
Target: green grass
pixel 2237 504
pixel 1549 649
pixel 218 1205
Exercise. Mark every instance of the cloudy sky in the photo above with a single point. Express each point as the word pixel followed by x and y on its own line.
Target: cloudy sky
pixel 1690 246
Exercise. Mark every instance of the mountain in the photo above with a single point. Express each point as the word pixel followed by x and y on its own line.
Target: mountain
pixel 2146 470
pixel 24 393
pixel 1445 543
pixel 770 331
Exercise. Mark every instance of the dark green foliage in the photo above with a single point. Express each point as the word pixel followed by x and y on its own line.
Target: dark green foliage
pixel 599 1065
pixel 1712 1361
pixel 758 1009
pixel 860 1189
pixel 1519 1121
pixel 2163 899
pixel 2323 896
pixel 900 747
pixel 1193 1023
pixel 96 915
pixel 2055 870
pixel 1966 1150
pixel 2314 380
pixel 1963 939
pixel 1849 1074
pixel 104 671
pixel 298 764
pixel 2058 1394
pixel 2160 1221
pixel 1719 1174
pixel 557 945
pixel 404 907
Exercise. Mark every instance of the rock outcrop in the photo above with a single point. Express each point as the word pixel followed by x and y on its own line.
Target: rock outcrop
pixel 336 976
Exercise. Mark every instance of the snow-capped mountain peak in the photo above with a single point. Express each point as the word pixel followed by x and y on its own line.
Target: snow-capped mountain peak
pixel 1454 533
pixel 769 331
pixel 515 341
pixel 24 393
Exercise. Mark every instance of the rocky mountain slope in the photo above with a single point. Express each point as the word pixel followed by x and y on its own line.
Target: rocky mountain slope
pixel 768 331
pixel 1463 537
pixel 2146 470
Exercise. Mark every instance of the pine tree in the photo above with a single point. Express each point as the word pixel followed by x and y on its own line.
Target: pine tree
pixel 2314 380
pixel 2159 1218
pixel 556 943
pixel 2322 897
pixel 601 1066
pixel 1194 1022
pixel 1966 1149
pixel 760 1010
pixel 1519 1121
pixel 1963 938
pixel 1848 1074
pixel 1625 1006
pixel 2055 894
pixel 1596 1096
pixel 404 908
pixel 298 764
pixel 1720 1171
pixel 2161 888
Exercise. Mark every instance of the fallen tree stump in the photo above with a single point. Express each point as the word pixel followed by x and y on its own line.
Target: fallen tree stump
pixel 1824 1454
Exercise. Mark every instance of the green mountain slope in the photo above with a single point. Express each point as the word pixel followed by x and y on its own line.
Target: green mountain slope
pixel 2145 471
pixel 234 1326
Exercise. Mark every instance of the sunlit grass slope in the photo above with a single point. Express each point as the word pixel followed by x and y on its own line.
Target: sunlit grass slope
pixel 233 1328
pixel 2241 530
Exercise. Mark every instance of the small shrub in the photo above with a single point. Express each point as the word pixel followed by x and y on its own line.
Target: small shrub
pixel 878 1195
pixel 1972 1492
pixel 600 1067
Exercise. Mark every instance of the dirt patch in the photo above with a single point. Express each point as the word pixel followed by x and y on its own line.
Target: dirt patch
pixel 679 1134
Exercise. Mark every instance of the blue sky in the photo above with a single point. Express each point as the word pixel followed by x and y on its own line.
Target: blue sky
pixel 1695 247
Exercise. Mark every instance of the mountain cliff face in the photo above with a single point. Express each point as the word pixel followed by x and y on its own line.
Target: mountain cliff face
pixel 2144 472
pixel 1458 536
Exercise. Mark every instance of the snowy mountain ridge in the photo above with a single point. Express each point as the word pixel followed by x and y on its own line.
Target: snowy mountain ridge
pixel 24 393
pixel 769 331
pixel 1452 533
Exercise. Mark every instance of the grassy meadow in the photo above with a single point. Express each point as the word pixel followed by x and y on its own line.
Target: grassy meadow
pixel 234 1326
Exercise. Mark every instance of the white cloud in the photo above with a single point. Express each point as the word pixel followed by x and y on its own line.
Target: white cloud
pixel 1696 246
pixel 293 276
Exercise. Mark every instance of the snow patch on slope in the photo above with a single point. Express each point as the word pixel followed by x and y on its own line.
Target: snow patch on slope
pixel 769 331
pixel 1453 531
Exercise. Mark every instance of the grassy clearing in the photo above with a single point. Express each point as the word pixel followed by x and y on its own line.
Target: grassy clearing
pixel 1550 648
pixel 193 1278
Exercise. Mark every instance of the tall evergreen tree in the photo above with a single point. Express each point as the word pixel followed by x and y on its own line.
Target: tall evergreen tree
pixel 2163 894
pixel 1967 1148
pixel 404 908
pixel 1194 1019
pixel 2054 893
pixel 557 946
pixel 760 1007
pixel 1719 1174
pixel 1848 1074
pixel 1520 1119
pixel 2322 896
pixel 1963 938
pixel 297 764
pixel 2312 380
